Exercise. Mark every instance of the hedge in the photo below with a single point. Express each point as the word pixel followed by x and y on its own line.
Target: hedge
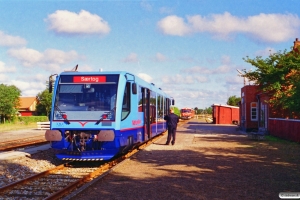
pixel 32 119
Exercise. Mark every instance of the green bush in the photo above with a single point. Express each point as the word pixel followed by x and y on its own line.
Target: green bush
pixel 32 119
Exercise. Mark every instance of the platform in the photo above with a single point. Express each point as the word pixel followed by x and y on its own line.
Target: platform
pixel 12 135
pixel 9 155
pixel 208 161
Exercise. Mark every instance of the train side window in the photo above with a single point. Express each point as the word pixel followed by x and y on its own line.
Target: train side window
pixel 141 99
pixel 126 101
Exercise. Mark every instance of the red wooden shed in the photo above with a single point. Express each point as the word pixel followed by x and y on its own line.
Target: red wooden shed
pixel 225 114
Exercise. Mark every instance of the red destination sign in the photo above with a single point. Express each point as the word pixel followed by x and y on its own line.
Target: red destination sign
pixel 89 79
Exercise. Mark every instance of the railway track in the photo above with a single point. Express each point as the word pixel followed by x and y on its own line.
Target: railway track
pixel 22 142
pixel 60 181
pixel 63 179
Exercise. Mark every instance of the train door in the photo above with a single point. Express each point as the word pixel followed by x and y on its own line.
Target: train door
pixel 144 107
pixel 148 114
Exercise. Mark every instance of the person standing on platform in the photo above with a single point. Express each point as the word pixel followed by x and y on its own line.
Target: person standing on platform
pixel 172 121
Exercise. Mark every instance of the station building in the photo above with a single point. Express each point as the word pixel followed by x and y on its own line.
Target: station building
pixel 256 113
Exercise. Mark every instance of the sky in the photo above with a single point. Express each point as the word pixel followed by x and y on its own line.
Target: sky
pixel 192 49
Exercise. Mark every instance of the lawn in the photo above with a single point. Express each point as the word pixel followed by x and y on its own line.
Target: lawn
pixel 16 126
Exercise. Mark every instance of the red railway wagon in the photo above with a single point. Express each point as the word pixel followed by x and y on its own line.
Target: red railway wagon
pixel 187 113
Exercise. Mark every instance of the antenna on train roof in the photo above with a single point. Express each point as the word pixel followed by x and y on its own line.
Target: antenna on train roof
pixel 73 70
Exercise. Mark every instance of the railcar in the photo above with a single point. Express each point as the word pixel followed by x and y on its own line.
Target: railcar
pixel 97 115
pixel 187 113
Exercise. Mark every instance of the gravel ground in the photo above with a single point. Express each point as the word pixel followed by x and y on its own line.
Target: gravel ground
pixel 20 168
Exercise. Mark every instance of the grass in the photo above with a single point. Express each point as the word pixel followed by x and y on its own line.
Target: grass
pixel 277 139
pixel 16 126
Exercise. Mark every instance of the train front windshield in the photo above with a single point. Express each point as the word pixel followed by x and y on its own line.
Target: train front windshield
pixel 86 97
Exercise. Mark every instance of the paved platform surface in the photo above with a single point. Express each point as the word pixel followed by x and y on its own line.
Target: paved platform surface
pixel 15 134
pixel 19 134
pixel 207 162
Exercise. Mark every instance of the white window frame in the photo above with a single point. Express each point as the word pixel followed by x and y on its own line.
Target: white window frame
pixel 253 111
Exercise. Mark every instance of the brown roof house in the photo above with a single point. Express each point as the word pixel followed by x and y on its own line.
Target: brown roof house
pixel 27 106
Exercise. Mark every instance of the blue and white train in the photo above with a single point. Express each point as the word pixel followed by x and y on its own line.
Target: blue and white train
pixel 97 115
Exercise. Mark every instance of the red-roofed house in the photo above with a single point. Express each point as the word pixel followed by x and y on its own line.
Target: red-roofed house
pixel 27 106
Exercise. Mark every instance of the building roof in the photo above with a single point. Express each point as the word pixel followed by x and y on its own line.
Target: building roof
pixel 26 102
pixel 225 106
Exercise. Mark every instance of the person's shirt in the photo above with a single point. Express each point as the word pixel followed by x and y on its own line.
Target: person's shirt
pixel 172 120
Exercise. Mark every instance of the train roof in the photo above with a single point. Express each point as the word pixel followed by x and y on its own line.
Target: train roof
pixel 138 80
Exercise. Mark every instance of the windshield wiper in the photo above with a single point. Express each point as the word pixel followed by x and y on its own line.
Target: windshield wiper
pixel 63 115
pixel 103 116
pixel 100 120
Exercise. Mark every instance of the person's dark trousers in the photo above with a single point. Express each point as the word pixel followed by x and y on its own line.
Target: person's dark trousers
pixel 171 135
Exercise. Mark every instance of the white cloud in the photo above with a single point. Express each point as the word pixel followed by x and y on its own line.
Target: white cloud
pixel 159 57
pixel 58 56
pixel 187 59
pixel 6 69
pixel 3 78
pixel 29 88
pixel 11 41
pixel 145 77
pixel 146 5
pixel 63 21
pixel 222 69
pixel 27 57
pixel 50 59
pixel 226 60
pixel 273 27
pixel 40 77
pixel 166 10
pixel 234 80
pixel 132 58
pixel 262 27
pixel 173 25
pixel 180 79
pixel 86 68
pixel 265 52
pixel 197 69
pixel 201 79
pixel 204 70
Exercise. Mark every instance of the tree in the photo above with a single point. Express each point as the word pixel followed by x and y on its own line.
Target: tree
pixel 233 100
pixel 196 110
pixel 9 101
pixel 208 110
pixel 278 76
pixel 176 111
pixel 45 102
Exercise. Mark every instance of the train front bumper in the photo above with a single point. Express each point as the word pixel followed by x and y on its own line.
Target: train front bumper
pixel 88 156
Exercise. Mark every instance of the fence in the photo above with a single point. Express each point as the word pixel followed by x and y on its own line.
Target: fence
pixel 43 125
pixel 285 128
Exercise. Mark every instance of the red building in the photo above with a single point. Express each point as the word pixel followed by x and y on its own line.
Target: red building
pixel 225 114
pixel 254 111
